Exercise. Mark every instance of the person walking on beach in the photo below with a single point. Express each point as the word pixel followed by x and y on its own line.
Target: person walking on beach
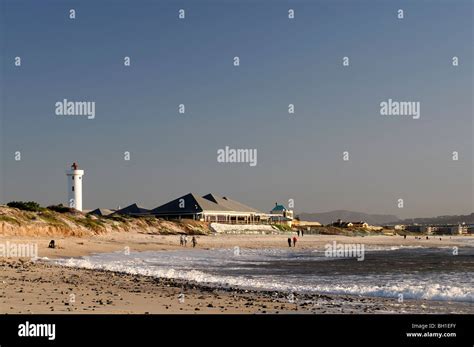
pixel 289 242
pixel 194 241
pixel 302 232
pixel 298 231
pixel 185 239
pixel 294 241
pixel 181 240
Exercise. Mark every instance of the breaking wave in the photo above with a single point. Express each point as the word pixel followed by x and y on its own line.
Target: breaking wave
pixel 268 270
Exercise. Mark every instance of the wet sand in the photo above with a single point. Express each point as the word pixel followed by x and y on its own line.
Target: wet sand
pixel 28 287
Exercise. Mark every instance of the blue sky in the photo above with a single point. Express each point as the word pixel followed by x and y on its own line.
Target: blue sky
pixel 282 61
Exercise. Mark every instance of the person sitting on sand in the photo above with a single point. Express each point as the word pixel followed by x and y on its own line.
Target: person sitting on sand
pixel 289 242
pixel 194 241
pixel 294 241
pixel 52 244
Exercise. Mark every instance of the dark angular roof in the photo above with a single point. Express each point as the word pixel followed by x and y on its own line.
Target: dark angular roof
pixel 101 212
pixel 132 209
pixel 192 204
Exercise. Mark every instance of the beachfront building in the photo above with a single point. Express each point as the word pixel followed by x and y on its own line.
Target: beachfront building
pixel 281 215
pixel 277 219
pixel 360 224
pixel 453 229
pixel 398 227
pixel 341 224
pixel 416 228
pixel 457 229
pixel 208 208
pixel 305 225
pixel 281 210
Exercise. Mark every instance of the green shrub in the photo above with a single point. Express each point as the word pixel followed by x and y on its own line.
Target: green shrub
pixel 60 208
pixel 25 205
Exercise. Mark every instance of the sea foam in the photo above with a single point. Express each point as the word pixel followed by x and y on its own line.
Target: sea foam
pixel 258 269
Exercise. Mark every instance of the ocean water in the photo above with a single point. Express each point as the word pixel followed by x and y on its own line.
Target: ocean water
pixel 415 272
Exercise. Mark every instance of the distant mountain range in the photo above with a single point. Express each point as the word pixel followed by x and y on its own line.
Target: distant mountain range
pixel 381 219
pixel 348 216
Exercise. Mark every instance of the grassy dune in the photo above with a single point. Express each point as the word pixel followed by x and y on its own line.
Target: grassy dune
pixel 14 221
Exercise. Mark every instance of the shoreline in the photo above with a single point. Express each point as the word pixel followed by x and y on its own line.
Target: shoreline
pixel 72 246
pixel 43 287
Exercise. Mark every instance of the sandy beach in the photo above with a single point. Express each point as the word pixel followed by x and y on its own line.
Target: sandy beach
pixel 132 241
pixel 42 287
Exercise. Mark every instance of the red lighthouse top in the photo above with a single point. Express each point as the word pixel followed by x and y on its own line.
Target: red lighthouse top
pixel 74 166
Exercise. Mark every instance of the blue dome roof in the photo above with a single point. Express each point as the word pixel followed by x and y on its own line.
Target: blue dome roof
pixel 279 208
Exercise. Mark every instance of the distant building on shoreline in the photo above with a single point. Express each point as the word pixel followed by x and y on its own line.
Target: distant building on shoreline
pixel 360 224
pixel 453 229
pixel 341 224
pixel 397 227
pixel 305 224
pixel 427 229
pixel 281 215
pixel 356 225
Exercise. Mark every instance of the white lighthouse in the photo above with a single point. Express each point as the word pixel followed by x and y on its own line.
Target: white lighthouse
pixel 74 187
